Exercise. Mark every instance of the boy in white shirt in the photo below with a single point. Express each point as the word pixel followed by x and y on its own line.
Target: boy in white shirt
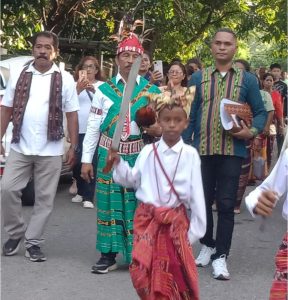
pixel 167 179
pixel 261 202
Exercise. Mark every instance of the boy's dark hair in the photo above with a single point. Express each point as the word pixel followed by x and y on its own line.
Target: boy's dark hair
pixel 47 34
pixel 267 75
pixel 170 106
pixel 228 30
pixel 245 63
pixel 275 66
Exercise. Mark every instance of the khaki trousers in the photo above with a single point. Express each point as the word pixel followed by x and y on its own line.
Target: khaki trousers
pixel 18 170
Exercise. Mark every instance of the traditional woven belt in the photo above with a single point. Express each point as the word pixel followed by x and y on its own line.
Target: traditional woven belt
pixel 124 147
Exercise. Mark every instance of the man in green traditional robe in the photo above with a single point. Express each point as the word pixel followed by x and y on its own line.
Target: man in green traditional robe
pixel 115 205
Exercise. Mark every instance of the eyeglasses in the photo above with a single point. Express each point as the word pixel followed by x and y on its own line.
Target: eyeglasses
pixel 85 67
pixel 175 72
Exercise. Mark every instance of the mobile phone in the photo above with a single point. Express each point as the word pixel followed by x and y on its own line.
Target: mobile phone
pixel 82 75
pixel 158 66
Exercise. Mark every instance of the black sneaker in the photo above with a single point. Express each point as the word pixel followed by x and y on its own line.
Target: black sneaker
pixel 104 265
pixel 11 247
pixel 35 254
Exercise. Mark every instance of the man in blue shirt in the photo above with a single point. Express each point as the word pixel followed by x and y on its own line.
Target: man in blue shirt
pixel 221 151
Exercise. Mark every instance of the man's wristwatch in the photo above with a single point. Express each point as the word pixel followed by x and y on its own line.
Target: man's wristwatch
pixel 75 148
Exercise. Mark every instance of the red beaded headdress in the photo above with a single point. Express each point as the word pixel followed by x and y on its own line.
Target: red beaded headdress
pixel 130 43
pixel 126 38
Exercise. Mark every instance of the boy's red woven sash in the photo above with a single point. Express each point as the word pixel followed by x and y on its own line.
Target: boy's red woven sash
pixel 163 265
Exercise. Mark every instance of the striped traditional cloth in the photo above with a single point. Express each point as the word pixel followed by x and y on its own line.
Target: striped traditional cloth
pixel 280 283
pixel 213 139
pixel 115 210
pixel 244 176
pixel 124 147
pixel 163 265
pixel 116 205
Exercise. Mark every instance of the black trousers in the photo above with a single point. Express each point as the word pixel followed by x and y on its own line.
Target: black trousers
pixel 220 174
pixel 280 141
pixel 85 189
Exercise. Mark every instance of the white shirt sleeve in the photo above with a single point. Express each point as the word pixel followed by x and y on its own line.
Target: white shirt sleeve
pixel 102 103
pixel 69 93
pixel 277 181
pixel 126 176
pixel 8 97
pixel 197 226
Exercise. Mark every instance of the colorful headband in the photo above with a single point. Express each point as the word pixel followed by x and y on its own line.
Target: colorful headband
pixel 168 99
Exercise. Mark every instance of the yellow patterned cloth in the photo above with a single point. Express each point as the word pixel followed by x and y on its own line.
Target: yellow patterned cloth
pixel 170 98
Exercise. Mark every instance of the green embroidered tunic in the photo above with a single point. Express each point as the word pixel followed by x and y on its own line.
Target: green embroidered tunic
pixel 115 204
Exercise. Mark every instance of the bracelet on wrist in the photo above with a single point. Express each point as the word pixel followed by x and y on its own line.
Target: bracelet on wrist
pixel 254 131
pixel 75 148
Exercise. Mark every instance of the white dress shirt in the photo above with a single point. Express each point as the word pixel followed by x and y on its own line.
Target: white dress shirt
pixel 187 181
pixel 102 102
pixel 277 181
pixel 85 105
pixel 33 136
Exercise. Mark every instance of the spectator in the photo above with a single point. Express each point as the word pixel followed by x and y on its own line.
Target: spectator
pixel 177 77
pixel 278 122
pixel 247 161
pixel 154 77
pixel 36 100
pixel 281 87
pixel 193 65
pixel 261 72
pixel 86 87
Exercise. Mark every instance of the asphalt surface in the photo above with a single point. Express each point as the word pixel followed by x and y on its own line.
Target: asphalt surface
pixel 70 250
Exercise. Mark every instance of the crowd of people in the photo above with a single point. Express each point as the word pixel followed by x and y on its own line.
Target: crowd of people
pixel 183 161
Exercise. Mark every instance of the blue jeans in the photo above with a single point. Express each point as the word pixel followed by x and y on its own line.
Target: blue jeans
pixel 220 174
pixel 85 189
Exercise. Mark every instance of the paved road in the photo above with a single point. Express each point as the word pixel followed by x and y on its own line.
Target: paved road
pixel 70 248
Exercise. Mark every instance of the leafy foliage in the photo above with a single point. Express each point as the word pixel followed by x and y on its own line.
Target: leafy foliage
pixel 181 28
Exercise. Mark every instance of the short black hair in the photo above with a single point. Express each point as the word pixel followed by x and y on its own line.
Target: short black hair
pixel 245 63
pixel 275 66
pixel 228 30
pixel 47 34
pixel 196 61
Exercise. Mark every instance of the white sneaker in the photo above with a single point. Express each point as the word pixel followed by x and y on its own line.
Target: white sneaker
pixel 77 199
pixel 204 256
pixel 88 204
pixel 219 266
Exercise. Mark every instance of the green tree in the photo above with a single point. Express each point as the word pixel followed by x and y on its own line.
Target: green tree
pixel 181 28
